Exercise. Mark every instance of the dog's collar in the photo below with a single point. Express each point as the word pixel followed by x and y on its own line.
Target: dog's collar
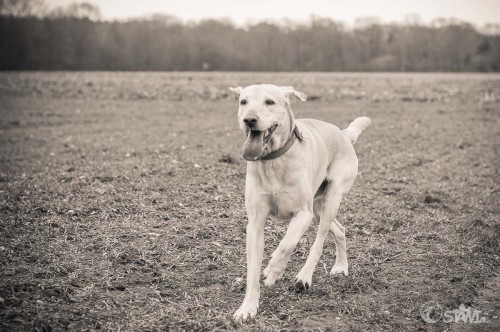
pixel 281 151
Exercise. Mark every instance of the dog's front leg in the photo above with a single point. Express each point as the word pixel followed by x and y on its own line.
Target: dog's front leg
pixel 297 227
pixel 257 215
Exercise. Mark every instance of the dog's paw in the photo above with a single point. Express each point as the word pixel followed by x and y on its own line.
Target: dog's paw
pixel 303 280
pixel 271 278
pixel 244 313
pixel 339 269
pixel 300 285
pixel 273 273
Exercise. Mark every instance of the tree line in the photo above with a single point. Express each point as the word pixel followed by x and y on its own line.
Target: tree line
pixel 75 39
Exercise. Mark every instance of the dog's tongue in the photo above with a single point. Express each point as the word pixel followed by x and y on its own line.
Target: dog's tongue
pixel 254 145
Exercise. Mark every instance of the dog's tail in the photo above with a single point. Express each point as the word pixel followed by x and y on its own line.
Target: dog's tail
pixel 356 128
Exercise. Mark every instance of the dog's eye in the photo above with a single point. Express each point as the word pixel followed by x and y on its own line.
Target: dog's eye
pixel 270 102
pixel 243 102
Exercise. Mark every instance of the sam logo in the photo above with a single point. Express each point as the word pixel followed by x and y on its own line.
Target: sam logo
pixel 431 312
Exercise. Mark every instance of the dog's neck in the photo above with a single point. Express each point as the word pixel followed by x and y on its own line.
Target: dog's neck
pixel 291 117
pixel 278 141
pixel 280 144
pixel 294 135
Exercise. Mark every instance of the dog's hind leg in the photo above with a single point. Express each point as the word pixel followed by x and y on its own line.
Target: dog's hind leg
pixel 341 265
pixel 329 210
pixel 297 227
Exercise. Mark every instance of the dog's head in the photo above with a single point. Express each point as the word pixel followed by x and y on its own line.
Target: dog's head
pixel 266 117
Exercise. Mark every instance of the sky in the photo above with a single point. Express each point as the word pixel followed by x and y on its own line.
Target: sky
pixel 242 12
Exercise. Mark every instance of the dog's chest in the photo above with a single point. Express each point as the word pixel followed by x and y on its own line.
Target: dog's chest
pixel 273 180
pixel 284 205
pixel 283 190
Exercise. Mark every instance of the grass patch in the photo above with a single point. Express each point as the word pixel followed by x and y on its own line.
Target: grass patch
pixel 125 213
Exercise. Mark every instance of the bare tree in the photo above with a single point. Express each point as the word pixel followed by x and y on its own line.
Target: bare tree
pixel 78 10
pixel 22 8
pixel 74 38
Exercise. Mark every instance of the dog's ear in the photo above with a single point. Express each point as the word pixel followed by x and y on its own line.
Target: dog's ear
pixel 236 91
pixel 289 90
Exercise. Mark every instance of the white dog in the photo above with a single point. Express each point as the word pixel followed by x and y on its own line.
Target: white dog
pixel 296 169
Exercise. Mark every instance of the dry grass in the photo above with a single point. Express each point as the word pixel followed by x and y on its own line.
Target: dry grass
pixel 121 202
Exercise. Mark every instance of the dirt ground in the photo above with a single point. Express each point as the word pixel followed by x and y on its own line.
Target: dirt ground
pixel 121 203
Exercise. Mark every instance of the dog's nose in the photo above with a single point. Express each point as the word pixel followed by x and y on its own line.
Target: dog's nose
pixel 250 121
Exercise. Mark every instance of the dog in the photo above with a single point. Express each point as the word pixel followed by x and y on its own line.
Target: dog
pixel 296 169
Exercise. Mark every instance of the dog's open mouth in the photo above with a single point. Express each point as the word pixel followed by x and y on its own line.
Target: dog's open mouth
pixel 256 142
pixel 269 132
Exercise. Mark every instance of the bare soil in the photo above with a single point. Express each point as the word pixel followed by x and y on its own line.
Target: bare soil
pixel 121 202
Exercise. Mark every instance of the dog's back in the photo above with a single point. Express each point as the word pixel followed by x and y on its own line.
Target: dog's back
pixel 337 143
pixel 352 132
